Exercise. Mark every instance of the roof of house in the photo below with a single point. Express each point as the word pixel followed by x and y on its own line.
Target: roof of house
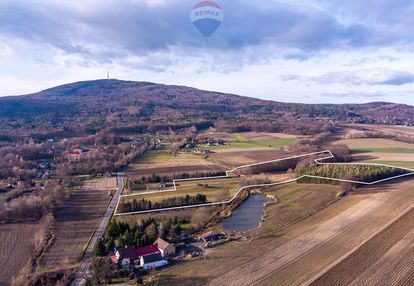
pixel 73 155
pixel 150 258
pixel 150 249
pixel 161 243
pixel 112 257
pixel 134 253
pixel 206 234
pixel 128 252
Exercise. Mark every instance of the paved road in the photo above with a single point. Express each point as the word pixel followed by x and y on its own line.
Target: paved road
pixel 83 271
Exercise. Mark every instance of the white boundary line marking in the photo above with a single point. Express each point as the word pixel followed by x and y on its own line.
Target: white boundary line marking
pixel 317 161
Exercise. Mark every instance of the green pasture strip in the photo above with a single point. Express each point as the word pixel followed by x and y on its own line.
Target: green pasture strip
pixel 211 188
pixel 402 164
pixel 239 137
pixel 277 142
pixel 384 150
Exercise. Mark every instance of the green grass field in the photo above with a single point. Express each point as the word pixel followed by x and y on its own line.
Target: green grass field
pixel 402 164
pixel 277 142
pixel 164 154
pixel 383 150
pixel 239 137
pixel 214 189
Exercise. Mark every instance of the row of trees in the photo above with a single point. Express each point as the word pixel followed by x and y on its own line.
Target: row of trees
pixel 143 204
pixel 382 134
pixel 135 184
pixel 289 124
pixel 32 206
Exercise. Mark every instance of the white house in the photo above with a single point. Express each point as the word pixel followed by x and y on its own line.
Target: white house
pixel 152 261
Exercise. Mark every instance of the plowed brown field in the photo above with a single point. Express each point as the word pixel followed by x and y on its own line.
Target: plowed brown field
pixel 299 253
pixel 387 259
pixel 75 222
pixel 16 248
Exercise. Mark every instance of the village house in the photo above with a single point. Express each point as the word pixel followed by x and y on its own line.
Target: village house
pixel 163 185
pixel 201 152
pixel 131 255
pixel 126 255
pixel 166 249
pixel 152 261
pixel 107 174
pixel 77 153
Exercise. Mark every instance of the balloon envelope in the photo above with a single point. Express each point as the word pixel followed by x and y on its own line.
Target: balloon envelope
pixel 206 17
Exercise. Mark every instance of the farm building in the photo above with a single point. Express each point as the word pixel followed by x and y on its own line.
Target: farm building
pixel 163 184
pixel 129 254
pixel 211 236
pixel 152 261
pixel 164 247
pixel 201 152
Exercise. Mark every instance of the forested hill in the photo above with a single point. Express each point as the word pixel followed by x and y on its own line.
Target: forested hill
pixel 125 106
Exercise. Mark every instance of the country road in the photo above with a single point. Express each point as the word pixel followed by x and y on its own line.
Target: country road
pixel 83 271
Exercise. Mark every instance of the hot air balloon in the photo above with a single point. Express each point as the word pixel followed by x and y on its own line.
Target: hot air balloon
pixel 206 17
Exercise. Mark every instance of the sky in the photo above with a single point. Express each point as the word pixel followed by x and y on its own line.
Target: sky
pixel 310 51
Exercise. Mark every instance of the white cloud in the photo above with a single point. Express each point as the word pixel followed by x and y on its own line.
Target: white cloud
pixel 373 76
pixel 302 51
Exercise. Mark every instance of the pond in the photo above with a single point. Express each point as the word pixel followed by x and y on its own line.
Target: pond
pixel 247 216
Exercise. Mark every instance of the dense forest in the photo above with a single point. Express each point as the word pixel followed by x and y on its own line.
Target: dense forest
pixel 130 107
pixel 364 173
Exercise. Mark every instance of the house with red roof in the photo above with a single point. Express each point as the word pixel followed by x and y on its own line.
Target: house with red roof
pixel 129 254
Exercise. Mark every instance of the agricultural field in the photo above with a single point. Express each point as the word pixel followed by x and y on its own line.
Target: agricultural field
pixel 216 135
pixel 401 163
pixel 256 136
pixel 212 188
pixel 387 259
pixel 313 243
pixel 407 130
pixel 294 202
pixel 271 143
pixel 75 222
pixel 232 158
pixel 244 148
pixel 162 162
pixel 247 136
pixel 101 184
pixel 384 145
pixel 16 248
pixel 381 151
